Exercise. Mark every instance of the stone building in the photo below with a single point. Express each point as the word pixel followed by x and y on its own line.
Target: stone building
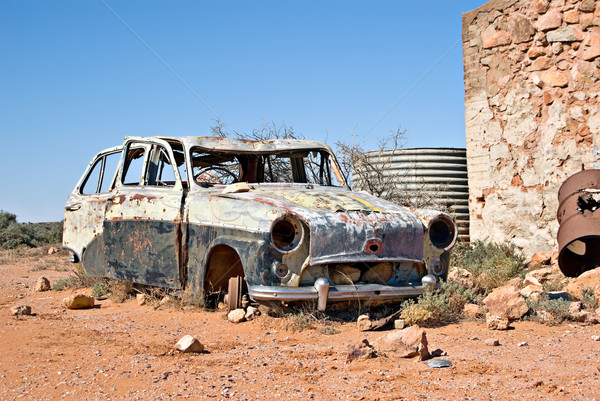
pixel 532 113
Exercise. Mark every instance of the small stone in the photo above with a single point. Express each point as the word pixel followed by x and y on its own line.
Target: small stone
pixel 141 299
pixel 532 291
pixel 571 16
pixel 535 52
pixel 590 47
pixel 494 322
pixel 555 78
pixel 538 260
pixel 471 310
pixel 79 301
pixel 399 324
pixel 587 6
pixel 492 342
pixel 236 316
pixel 42 284
pixel 251 312
pixel 245 301
pixel 364 323
pixel 541 6
pixel 506 302
pixel 20 310
pixel 523 344
pixel 575 308
pixel 52 250
pixel 406 343
pixel 361 350
pixel 569 33
pixel 189 344
pixel 551 20
pixel 490 37
pixel 596 338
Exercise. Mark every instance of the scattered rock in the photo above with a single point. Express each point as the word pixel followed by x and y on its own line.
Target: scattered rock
pixel 364 323
pixel 471 310
pixel 406 343
pixel 361 350
pixel 523 344
pixel 575 307
pixel 20 310
pixel 399 324
pixel 438 352
pixel 538 260
pixel 596 338
pixel 252 312
pixel 189 344
pixel 79 301
pixel 42 284
pixel 589 279
pixel 380 273
pixel 506 302
pixel 532 291
pixel 544 275
pixel 52 250
pixel 236 316
pixel 494 322
pixel 492 342
pixel 141 299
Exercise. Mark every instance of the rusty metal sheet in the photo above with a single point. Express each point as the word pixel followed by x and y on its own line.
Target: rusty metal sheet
pixel 579 218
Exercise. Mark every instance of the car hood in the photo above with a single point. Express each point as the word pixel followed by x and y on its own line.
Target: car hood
pixel 343 223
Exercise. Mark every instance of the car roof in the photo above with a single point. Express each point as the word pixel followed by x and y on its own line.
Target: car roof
pixel 244 145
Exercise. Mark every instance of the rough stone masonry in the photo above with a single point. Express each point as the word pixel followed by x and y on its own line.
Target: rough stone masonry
pixel 532 113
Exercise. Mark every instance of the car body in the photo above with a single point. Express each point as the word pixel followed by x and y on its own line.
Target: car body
pixel 274 219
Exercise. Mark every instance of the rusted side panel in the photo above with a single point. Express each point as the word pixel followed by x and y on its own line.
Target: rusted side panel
pixel 142 252
pixel 579 217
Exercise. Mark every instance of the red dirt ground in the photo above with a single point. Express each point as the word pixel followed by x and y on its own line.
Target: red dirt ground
pixel 124 352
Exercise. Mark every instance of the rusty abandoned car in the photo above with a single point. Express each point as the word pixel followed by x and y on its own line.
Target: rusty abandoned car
pixel 273 219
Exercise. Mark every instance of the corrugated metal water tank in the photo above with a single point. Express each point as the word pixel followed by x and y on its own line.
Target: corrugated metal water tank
pixel 439 174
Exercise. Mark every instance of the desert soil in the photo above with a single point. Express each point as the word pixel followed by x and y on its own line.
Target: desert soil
pixel 123 351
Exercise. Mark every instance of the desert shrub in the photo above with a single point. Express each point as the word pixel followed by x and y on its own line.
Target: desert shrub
pixel 437 307
pixel 13 234
pixel 553 285
pixel 120 291
pixel 492 265
pixel 100 289
pixel 588 298
pixel 17 234
pixel 64 283
pixel 558 308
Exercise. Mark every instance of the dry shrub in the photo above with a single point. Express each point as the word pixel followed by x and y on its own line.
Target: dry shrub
pixel 491 265
pixel 120 291
pixel 558 308
pixel 588 298
pixel 437 307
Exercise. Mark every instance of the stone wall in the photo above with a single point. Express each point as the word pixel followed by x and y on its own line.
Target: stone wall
pixel 532 113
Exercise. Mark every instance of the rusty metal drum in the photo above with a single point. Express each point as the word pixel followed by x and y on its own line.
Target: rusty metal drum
pixel 579 232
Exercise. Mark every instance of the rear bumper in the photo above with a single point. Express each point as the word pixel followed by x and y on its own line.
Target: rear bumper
pixel 324 294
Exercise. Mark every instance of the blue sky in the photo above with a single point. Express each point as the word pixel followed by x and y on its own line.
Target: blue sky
pixel 74 79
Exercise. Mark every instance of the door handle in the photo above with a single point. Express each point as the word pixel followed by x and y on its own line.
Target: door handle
pixel 74 207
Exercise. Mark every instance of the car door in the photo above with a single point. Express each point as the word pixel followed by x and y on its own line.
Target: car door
pixel 84 211
pixel 142 222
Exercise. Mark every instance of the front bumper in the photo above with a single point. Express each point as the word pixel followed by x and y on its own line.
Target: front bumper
pixel 323 292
